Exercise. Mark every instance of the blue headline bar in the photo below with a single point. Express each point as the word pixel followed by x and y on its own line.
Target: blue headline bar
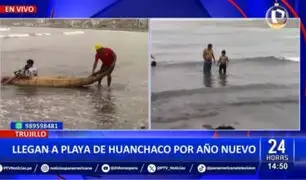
pixel 153 150
pixel 153 155
pixel 129 150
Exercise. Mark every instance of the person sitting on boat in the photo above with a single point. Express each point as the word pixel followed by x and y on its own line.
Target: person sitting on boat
pixel 31 70
pixel 27 71
pixel 108 58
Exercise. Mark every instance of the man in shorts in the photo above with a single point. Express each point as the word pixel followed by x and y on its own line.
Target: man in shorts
pixel 209 58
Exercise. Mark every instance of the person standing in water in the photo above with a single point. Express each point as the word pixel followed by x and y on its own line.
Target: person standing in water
pixel 209 58
pixel 108 58
pixel 153 63
pixel 223 63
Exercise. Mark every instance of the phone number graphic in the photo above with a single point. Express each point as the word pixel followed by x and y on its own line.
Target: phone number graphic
pixel 41 125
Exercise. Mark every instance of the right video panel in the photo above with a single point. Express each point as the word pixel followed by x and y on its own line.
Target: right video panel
pixel 224 74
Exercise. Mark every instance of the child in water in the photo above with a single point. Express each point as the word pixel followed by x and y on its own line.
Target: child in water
pixel 223 63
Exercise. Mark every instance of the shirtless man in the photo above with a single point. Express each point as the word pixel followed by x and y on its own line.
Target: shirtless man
pixel 208 56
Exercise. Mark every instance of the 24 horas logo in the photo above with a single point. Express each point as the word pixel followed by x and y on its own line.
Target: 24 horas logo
pixel 277 16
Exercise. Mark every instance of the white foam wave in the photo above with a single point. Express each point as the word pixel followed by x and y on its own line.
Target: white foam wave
pixel 18 35
pixel 5 29
pixel 74 32
pixel 292 37
pixel 295 59
pixel 42 34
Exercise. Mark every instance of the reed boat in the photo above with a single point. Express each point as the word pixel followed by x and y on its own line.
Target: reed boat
pixel 59 82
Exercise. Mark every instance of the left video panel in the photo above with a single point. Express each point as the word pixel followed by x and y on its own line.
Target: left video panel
pixel 65 89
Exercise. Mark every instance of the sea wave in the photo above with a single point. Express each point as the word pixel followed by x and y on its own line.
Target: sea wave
pixel 295 59
pixel 181 105
pixel 264 59
pixel 177 93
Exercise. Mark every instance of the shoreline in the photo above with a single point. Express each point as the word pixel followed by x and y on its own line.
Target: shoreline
pixel 75 28
pixel 111 25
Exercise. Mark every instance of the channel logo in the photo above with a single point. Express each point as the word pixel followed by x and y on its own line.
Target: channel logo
pixel 277 16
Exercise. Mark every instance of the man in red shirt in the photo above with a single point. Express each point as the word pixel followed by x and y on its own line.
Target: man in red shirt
pixel 108 58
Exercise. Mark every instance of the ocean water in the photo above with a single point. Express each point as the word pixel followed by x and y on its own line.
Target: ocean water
pixel 72 54
pixel 260 91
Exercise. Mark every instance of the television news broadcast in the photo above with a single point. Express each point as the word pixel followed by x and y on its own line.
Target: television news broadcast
pixel 156 89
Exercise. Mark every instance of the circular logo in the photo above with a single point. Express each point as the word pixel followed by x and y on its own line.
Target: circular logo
pixel 151 168
pixel 277 16
pixel 1 168
pixel 201 168
pixel 105 168
pixel 44 168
